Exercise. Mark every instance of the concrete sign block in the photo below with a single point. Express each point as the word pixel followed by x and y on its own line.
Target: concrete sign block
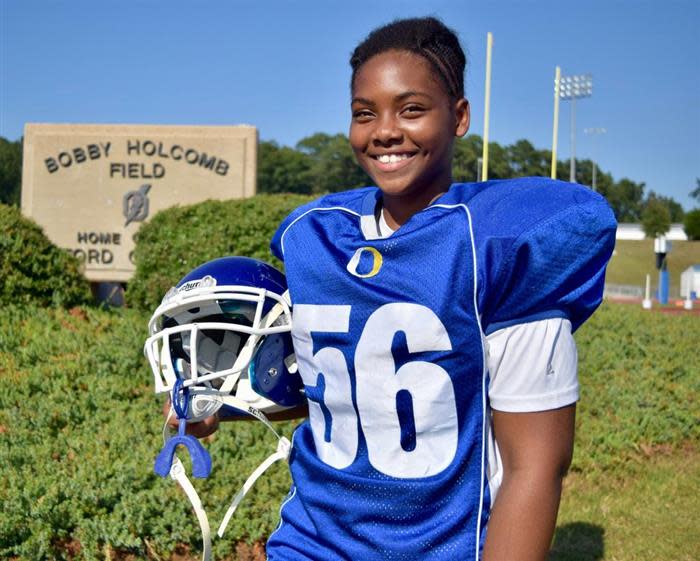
pixel 90 187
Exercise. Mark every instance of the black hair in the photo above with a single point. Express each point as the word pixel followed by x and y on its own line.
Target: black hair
pixel 427 37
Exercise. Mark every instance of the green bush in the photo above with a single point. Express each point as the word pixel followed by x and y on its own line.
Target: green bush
pixel 179 239
pixel 639 386
pixel 32 269
pixel 80 428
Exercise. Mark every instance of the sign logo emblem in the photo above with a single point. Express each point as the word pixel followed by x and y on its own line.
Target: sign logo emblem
pixel 135 205
pixel 354 263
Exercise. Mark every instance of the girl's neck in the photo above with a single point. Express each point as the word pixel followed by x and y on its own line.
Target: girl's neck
pixel 397 210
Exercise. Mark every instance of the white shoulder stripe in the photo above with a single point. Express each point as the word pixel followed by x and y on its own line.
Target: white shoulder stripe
pixel 307 212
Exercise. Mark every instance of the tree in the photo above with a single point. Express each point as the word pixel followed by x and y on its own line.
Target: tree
pixel 499 165
pixel 282 169
pixel 526 161
pixel 691 224
pixel 695 193
pixel 626 199
pixel 656 218
pixel 584 176
pixel 466 154
pixel 10 171
pixel 674 207
pixel 333 167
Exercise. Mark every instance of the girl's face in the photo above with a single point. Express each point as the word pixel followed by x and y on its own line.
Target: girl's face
pixel 403 126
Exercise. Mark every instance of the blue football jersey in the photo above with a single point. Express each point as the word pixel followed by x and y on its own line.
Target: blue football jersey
pixel 389 336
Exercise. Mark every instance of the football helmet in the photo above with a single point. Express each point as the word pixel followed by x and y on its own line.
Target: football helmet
pixel 224 329
pixel 220 342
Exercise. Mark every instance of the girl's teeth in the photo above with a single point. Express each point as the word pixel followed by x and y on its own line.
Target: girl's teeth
pixel 392 158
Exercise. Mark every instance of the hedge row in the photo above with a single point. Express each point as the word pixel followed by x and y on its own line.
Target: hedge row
pixel 34 270
pixel 179 239
pixel 80 427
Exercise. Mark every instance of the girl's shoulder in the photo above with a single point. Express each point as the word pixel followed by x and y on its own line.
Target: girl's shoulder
pixel 541 247
pixel 512 207
pixel 351 201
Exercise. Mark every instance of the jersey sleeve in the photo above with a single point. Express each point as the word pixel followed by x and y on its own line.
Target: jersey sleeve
pixel 542 247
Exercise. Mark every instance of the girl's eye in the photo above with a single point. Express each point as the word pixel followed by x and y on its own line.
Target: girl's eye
pixel 411 111
pixel 362 115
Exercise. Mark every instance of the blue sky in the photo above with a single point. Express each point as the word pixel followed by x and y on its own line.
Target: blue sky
pixel 283 66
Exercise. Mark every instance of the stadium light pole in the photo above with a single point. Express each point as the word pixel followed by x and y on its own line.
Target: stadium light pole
pixel 594 131
pixel 487 108
pixel 555 127
pixel 572 88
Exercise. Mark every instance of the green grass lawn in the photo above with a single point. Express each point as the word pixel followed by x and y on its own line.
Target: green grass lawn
pixel 650 516
pixel 632 261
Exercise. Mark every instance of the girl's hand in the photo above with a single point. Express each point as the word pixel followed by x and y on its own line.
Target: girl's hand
pixel 200 429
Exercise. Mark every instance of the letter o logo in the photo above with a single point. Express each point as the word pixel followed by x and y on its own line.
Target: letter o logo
pixel 354 262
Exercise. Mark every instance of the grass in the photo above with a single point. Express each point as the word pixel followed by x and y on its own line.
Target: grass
pixel 633 260
pixel 651 516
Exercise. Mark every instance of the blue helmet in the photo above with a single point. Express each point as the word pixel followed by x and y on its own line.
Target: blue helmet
pixel 224 329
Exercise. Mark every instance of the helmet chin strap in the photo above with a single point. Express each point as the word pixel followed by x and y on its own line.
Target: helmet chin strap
pixel 168 464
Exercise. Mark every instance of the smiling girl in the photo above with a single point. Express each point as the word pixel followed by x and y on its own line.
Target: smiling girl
pixel 432 323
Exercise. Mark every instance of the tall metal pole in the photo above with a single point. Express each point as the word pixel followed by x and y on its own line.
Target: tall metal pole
pixel 572 161
pixel 555 128
pixel 594 132
pixel 487 105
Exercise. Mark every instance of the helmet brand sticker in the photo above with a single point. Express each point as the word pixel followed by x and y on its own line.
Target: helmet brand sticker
pixel 206 282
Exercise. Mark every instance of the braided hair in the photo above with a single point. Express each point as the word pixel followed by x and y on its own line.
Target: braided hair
pixel 427 37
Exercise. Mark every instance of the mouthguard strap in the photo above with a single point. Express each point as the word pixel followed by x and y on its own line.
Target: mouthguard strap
pixel 177 472
pixel 282 453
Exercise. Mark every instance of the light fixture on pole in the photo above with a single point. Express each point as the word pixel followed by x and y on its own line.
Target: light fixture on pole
pixel 572 88
pixel 594 131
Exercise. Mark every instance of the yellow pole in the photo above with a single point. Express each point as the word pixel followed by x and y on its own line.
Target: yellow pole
pixel 555 131
pixel 487 104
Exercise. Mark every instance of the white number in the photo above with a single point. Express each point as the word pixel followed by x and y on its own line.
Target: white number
pixel 432 393
pixel 340 452
pixel 377 385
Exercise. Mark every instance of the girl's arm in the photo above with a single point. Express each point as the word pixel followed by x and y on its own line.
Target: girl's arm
pixel 536 450
pixel 209 425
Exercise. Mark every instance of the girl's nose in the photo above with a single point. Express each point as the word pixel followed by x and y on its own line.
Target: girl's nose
pixel 387 131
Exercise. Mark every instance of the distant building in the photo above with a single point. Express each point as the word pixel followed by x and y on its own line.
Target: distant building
pixel 690 282
pixel 635 232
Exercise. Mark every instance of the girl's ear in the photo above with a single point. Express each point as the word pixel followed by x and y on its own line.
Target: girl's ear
pixel 462 117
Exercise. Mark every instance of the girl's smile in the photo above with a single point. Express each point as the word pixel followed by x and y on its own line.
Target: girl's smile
pixel 402 130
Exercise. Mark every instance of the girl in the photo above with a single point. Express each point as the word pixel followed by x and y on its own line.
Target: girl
pixel 432 323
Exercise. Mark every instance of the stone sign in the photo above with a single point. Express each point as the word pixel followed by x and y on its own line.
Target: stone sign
pixel 91 186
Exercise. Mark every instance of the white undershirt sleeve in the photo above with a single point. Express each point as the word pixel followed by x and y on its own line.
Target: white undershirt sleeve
pixel 532 366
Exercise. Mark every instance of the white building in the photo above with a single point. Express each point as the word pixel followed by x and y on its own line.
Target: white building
pixel 635 232
pixel 690 282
